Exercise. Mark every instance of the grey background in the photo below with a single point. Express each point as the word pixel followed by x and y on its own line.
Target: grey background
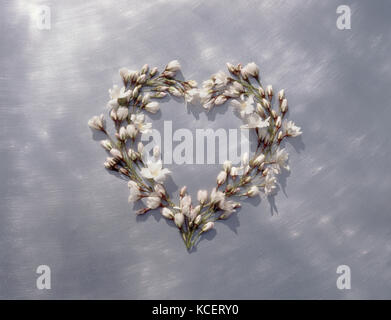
pixel 59 207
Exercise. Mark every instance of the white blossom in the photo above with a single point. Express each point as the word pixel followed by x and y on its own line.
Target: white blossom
pixel 140 124
pixel 291 129
pixel 284 105
pixel 135 193
pixel 217 197
pixel 252 191
pixel 255 121
pixel 192 95
pixel 244 106
pixel 269 184
pixel 132 130
pixel 106 144
pixel 280 158
pixel 154 171
pixel 185 204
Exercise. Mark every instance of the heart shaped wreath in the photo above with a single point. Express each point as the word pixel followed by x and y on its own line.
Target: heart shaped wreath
pixel 255 176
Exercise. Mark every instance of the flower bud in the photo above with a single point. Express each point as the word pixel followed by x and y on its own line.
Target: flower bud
pixel 269 91
pixel 116 153
pixel 152 107
pixel 261 92
pixel 222 177
pixel 159 189
pixel 261 111
pixel 227 165
pixel 133 155
pixel 131 130
pixel 179 218
pixel 123 134
pixel 144 69
pixel 252 192
pixel 278 122
pixel 202 196
pixel 173 66
pixel 258 160
pixel 106 144
pixel 167 213
pixel 207 226
pixel 284 105
pixel 281 94
pixel 197 220
pixel 122 113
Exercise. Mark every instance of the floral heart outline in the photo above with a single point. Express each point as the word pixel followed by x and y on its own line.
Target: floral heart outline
pixel 256 175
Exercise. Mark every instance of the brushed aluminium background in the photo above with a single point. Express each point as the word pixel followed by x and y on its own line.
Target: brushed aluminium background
pixel 59 207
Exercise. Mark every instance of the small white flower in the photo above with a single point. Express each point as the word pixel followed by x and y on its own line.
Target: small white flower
pixel 255 121
pixel 152 107
pixel 135 193
pixel 118 95
pixel 250 69
pixel 173 66
pixel 207 226
pixel 234 172
pixel 153 201
pixel 97 122
pixel 140 124
pixel 291 129
pixel 280 158
pixel 156 152
pixel 154 171
pixel 122 113
pixel 179 218
pixel 202 196
pixel 228 207
pixel 244 106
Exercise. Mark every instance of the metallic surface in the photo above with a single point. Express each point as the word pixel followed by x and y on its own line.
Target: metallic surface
pixel 59 207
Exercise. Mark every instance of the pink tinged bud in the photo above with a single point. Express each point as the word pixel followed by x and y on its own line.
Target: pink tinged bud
pixel 113 115
pixel 261 92
pixel 97 122
pixel 234 172
pixel 159 189
pixel 167 213
pixel 261 111
pixel 280 135
pixel 231 67
pixel 207 226
pixel 179 218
